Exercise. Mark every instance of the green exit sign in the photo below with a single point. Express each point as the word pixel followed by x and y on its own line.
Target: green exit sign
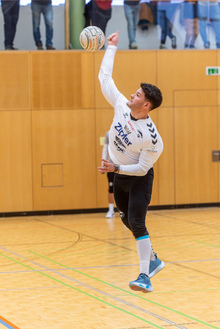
pixel 212 70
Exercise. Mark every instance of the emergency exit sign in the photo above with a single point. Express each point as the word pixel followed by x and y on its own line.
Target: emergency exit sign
pixel 212 70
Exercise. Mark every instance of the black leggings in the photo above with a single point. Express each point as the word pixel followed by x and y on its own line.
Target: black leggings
pixel 132 196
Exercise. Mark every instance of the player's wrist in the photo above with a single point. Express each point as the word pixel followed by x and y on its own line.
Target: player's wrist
pixel 117 169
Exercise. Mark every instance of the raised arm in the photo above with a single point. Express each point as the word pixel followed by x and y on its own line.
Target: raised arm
pixel 108 87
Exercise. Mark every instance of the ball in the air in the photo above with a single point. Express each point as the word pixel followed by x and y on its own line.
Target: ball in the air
pixel 92 38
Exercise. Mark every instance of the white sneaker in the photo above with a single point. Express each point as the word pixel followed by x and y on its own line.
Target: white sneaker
pixel 133 45
pixel 110 214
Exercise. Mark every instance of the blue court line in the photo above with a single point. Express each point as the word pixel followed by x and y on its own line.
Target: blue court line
pixel 6 325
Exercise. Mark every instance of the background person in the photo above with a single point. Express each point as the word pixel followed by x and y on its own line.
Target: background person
pixel 209 15
pixel 165 17
pixel 101 13
pixel 88 13
pixel 10 9
pixel 110 176
pixel 131 9
pixel 45 8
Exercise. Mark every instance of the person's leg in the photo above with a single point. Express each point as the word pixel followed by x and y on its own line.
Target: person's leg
pixel 140 196
pixel 139 199
pixel 48 18
pixel 129 19
pixel 215 19
pixel 144 250
pixel 132 196
pixel 189 25
pixel 110 213
pixel 132 17
pixel 168 27
pixel 162 22
pixel 203 16
pixel 195 33
pixel 135 19
pixel 36 12
pixel 6 9
pixel 170 10
pixel 15 15
pixel 121 195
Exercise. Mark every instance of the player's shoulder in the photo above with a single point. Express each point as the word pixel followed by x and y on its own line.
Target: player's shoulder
pixel 150 131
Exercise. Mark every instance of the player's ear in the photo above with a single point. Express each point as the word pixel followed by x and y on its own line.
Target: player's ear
pixel 147 106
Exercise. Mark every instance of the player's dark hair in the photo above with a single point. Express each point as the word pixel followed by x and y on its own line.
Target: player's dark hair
pixel 152 94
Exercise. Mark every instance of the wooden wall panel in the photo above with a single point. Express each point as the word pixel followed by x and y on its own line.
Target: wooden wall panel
pixel 15 163
pixel 183 98
pixel 218 164
pixel 166 187
pixel 64 145
pixel 184 70
pixel 14 81
pixel 218 77
pixel 62 80
pixel 218 136
pixel 130 69
pixel 196 176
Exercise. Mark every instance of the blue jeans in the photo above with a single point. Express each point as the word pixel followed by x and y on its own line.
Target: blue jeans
pixel 209 12
pixel 132 17
pixel 165 13
pixel 47 12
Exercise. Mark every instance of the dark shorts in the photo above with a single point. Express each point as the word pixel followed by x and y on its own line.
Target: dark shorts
pixel 132 196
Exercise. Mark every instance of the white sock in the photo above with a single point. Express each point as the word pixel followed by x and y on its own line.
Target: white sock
pixel 144 250
pixel 111 207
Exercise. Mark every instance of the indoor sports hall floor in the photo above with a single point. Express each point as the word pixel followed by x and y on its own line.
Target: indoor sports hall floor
pixel 72 271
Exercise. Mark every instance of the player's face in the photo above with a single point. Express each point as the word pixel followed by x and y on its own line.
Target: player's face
pixel 137 101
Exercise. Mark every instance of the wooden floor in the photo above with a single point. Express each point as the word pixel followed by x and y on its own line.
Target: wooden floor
pixel 73 272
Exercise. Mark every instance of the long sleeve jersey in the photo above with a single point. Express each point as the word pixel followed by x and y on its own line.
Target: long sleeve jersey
pixel 133 144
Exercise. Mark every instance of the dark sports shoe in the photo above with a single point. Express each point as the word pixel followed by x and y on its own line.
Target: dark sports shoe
pixel 10 48
pixel 40 46
pixel 50 48
pixel 141 284
pixel 155 266
pixel 173 42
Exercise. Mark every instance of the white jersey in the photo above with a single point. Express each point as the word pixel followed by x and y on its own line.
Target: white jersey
pixel 133 144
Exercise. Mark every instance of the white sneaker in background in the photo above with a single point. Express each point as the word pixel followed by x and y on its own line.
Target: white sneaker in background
pixel 110 214
pixel 133 45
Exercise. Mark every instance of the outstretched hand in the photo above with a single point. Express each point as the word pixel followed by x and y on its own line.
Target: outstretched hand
pixel 113 38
